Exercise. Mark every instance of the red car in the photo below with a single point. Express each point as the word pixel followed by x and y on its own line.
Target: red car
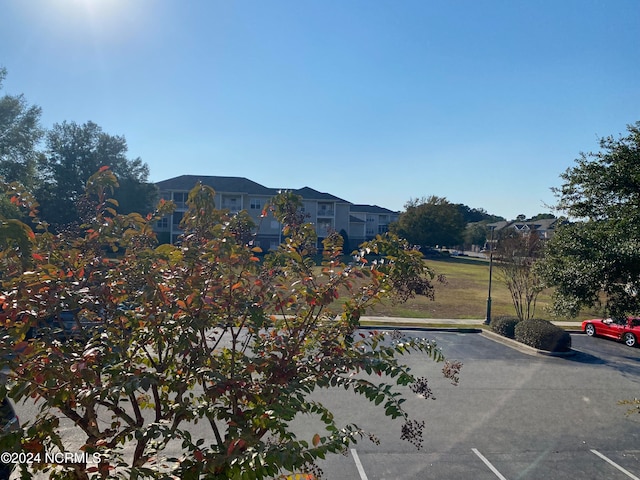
pixel 625 329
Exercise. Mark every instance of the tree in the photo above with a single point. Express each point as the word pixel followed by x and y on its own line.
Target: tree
pixel 475 233
pixel 431 221
pixel 15 235
pixel 595 259
pixel 475 215
pixel 20 133
pixel 73 153
pixel 204 331
pixel 516 255
pixel 542 216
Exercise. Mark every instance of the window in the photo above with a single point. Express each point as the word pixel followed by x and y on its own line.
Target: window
pixel 163 223
pixel 383 228
pixel 180 199
pixel 255 204
pixel 325 227
pixel 233 204
pixel 325 209
pixel 177 218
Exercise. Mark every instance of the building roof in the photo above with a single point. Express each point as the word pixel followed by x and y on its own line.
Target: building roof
pixel 370 209
pixel 353 219
pixel 219 184
pixel 311 194
pixel 499 225
pixel 539 225
pixel 240 185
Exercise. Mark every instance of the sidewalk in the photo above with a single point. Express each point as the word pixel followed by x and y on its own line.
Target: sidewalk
pixel 438 322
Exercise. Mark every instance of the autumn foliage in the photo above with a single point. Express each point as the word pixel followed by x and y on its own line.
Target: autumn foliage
pixel 209 331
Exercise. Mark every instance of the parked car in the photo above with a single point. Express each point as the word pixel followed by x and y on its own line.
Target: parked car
pixel 624 329
pixel 8 423
pixel 66 324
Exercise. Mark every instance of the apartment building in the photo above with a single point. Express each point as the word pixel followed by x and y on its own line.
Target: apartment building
pixel 327 212
pixel 367 221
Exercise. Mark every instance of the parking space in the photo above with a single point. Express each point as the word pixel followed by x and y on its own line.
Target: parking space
pixel 474 464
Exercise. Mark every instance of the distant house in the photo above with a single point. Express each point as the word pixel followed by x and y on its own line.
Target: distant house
pixel 327 212
pixel 545 228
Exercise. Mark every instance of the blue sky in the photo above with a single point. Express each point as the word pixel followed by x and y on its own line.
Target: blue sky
pixel 375 101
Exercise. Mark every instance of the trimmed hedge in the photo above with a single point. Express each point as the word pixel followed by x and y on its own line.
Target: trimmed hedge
pixel 543 335
pixel 504 325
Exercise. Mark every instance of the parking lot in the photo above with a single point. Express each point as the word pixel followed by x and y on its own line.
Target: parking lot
pixel 513 416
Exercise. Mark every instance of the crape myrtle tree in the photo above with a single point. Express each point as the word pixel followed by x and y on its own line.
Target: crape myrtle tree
pixel 204 332
pixel 516 255
pixel 595 258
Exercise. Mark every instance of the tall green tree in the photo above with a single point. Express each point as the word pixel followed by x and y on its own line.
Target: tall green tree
pixel 430 222
pixel 20 134
pixel 475 233
pixel 202 332
pixel 475 215
pixel 73 153
pixel 595 259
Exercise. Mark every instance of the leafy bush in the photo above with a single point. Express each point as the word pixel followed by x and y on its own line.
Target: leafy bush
pixel 504 325
pixel 543 335
pixel 202 331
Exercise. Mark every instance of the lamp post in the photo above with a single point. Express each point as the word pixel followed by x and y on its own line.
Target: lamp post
pixel 487 320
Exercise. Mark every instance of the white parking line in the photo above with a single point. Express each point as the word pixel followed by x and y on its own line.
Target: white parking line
pixel 488 464
pixel 611 462
pixel 363 476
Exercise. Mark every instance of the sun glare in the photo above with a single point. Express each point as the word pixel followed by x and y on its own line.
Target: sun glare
pixel 110 20
pixel 92 8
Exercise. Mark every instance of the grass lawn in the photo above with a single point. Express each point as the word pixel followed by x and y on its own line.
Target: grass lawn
pixel 464 295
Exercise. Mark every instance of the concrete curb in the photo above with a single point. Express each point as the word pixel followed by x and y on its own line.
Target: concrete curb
pixel 466 326
pixel 414 328
pixel 524 348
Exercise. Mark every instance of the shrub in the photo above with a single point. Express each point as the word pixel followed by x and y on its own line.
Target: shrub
pixel 202 331
pixel 543 335
pixel 504 325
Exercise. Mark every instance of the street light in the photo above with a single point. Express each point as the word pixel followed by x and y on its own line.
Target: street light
pixel 487 320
